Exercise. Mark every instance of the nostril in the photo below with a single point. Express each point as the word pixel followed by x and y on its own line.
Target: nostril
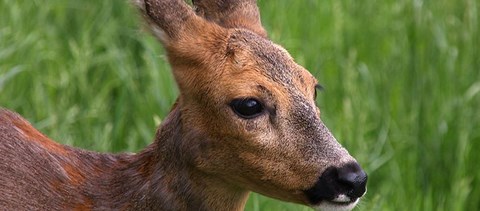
pixel 343 184
pixel 353 178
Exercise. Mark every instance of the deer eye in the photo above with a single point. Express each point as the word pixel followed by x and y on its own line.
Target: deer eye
pixel 247 108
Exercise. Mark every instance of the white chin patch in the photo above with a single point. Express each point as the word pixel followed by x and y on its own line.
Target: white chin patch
pixel 340 203
pixel 341 199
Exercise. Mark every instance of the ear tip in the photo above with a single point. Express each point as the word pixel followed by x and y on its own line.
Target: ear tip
pixel 140 4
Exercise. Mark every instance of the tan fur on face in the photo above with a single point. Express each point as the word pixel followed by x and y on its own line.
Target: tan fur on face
pixel 271 153
pixel 279 153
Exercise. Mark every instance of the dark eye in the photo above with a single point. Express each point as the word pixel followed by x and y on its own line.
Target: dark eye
pixel 247 108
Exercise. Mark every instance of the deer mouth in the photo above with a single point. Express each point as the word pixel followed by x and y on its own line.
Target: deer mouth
pixel 339 203
pixel 343 200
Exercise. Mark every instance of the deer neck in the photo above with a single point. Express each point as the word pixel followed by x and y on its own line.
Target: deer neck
pixel 166 180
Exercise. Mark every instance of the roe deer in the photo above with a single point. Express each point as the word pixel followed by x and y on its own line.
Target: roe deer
pixel 245 120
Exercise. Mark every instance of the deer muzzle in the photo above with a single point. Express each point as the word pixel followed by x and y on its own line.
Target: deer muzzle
pixel 338 188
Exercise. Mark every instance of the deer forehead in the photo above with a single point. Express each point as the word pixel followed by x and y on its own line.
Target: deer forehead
pixel 257 62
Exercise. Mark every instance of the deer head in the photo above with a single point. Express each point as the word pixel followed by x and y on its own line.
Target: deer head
pixel 250 106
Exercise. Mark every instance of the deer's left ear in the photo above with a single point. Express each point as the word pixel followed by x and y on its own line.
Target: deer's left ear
pixel 232 14
pixel 179 29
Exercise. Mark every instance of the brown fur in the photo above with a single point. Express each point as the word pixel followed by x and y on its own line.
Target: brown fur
pixel 204 156
pixel 31 134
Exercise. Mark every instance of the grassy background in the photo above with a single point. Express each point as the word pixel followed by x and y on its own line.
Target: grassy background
pixel 402 82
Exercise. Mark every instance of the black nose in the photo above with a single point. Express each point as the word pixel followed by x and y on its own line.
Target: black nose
pixel 353 178
pixel 349 180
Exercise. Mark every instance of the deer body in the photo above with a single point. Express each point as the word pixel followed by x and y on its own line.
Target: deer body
pixel 245 121
pixel 38 174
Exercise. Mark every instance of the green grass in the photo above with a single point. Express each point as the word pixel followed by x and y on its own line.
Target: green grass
pixel 402 85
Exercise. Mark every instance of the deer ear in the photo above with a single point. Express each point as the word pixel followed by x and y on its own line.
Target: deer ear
pixel 232 14
pixel 181 31
pixel 173 21
pixel 165 18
